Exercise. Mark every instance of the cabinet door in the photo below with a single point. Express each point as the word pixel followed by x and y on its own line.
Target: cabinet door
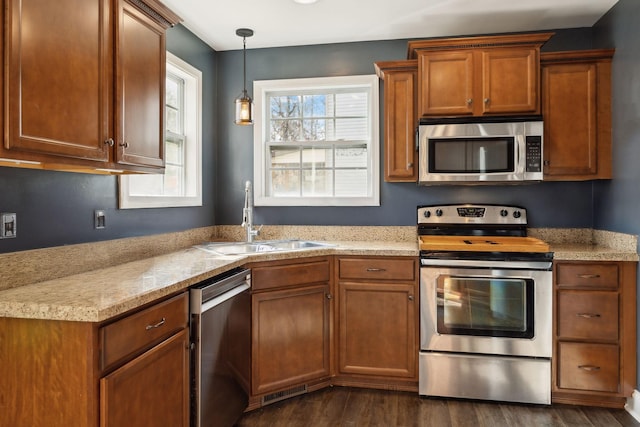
pixel 510 81
pixel 58 86
pixel 151 390
pixel 139 108
pixel 445 86
pixel 400 126
pixel 377 329
pixel 570 119
pixel 290 337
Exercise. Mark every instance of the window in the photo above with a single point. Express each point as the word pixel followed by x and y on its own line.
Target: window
pixel 181 184
pixel 316 142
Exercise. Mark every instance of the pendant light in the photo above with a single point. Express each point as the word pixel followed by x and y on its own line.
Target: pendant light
pixel 244 103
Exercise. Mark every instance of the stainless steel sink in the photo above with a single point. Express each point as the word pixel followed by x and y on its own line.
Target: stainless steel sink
pixel 241 248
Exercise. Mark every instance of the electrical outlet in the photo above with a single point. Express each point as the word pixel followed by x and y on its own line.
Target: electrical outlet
pixel 8 225
pixel 99 219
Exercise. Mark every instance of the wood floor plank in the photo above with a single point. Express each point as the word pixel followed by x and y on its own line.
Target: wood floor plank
pixel 353 407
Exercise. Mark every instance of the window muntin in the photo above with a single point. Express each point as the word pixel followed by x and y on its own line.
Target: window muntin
pixel 316 142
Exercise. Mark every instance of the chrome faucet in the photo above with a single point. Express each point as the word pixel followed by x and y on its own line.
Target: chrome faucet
pixel 247 213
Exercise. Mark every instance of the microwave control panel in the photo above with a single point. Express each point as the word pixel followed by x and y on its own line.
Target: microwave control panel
pixel 534 153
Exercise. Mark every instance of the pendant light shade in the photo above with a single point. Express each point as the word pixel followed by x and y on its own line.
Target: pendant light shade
pixel 244 103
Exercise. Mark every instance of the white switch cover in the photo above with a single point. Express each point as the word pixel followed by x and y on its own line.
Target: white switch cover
pixel 8 225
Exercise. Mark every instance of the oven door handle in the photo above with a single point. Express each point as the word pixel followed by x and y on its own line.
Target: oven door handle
pixel 519 265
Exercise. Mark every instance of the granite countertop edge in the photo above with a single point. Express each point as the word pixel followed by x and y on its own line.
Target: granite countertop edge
pixel 103 294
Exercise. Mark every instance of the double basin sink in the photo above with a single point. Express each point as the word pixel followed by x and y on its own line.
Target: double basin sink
pixel 242 248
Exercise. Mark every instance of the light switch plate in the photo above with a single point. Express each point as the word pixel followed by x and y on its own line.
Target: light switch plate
pixel 8 225
pixel 99 219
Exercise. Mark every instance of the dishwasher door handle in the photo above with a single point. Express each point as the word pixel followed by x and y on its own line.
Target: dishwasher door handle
pixel 208 305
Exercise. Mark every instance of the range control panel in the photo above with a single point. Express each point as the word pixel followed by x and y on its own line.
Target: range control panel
pixel 472 214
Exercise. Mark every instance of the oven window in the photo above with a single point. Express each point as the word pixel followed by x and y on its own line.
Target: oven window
pixel 472 155
pixel 500 307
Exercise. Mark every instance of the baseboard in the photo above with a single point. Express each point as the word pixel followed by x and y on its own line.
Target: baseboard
pixel 633 405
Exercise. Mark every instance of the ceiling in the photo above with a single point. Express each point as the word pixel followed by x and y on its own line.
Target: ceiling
pixel 278 23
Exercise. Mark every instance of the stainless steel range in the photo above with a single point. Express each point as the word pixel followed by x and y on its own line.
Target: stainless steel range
pixel 485 305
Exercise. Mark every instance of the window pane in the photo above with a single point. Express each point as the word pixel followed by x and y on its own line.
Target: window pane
pixel 351 104
pixel 285 106
pixel 285 130
pixel 351 183
pixel 283 157
pixel 285 183
pixel 146 185
pixel 352 129
pixel 313 158
pixel 314 130
pixel 174 152
pixel 355 157
pixel 173 182
pixel 317 183
pixel 173 121
pixel 315 106
pixel 173 91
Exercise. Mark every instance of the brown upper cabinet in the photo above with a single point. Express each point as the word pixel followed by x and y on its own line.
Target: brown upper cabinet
pixel 478 76
pixel 84 84
pixel 576 91
pixel 400 119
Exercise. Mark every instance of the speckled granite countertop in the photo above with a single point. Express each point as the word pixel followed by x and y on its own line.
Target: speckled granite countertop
pixel 99 293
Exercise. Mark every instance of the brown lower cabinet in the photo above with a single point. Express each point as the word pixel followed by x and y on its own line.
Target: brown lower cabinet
pixel 594 333
pixel 377 318
pixel 133 371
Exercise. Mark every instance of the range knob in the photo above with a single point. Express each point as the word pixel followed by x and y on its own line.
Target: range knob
pixel 438 212
pixel 504 213
pixel 427 214
pixel 517 214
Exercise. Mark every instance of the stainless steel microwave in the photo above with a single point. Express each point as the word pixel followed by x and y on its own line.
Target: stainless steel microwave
pixel 480 152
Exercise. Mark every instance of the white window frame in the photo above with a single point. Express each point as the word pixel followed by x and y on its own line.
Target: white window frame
pixel 261 89
pixel 193 138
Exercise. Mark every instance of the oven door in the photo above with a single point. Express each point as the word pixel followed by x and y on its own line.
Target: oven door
pixel 491 310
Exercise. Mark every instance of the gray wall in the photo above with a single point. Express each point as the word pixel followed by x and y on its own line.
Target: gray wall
pixel 549 204
pixel 56 208
pixel 617 202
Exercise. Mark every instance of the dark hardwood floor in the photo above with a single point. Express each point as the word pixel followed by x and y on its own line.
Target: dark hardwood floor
pixel 349 407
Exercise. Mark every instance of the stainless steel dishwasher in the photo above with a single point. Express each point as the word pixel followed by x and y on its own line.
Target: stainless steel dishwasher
pixel 220 328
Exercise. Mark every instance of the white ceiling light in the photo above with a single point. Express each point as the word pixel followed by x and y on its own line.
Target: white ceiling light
pixel 305 1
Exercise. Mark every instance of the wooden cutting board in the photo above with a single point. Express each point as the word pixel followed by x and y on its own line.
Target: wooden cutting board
pixel 482 244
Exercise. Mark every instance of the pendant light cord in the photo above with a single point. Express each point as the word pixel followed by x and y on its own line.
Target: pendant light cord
pixel 244 66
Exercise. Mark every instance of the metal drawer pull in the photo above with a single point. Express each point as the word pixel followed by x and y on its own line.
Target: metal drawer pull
pixel 157 325
pixel 589 368
pixel 588 276
pixel 376 270
pixel 588 315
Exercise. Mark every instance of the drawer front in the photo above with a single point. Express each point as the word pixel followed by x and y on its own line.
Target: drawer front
pixel 591 276
pixel 287 275
pixel 591 315
pixel 592 367
pixel 133 334
pixel 377 268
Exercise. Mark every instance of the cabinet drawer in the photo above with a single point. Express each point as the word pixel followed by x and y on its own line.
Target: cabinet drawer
pixel 591 315
pixel 592 367
pixel 287 275
pixel 127 337
pixel 377 268
pixel 596 276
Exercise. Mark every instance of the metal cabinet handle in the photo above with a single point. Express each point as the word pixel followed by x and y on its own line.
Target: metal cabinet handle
pixel 157 325
pixel 469 101
pixel 588 276
pixel 588 315
pixel 110 142
pixel 486 100
pixel 409 165
pixel 329 296
pixel 376 270
pixel 590 368
pixel 124 144
pixel 410 297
